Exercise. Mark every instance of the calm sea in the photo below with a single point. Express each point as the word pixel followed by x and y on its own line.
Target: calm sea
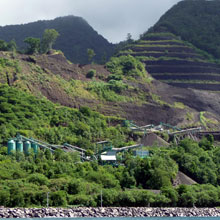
pixel 129 218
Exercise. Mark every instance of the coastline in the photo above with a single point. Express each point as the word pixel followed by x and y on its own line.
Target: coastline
pixel 107 212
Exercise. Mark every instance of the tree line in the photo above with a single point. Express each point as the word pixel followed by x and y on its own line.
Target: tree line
pixel 34 45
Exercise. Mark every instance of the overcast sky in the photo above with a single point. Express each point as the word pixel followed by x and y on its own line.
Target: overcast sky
pixel 111 18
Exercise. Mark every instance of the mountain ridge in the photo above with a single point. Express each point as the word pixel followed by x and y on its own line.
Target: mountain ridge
pixel 193 22
pixel 76 36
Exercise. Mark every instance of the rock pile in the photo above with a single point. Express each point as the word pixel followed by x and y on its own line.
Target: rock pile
pixel 106 212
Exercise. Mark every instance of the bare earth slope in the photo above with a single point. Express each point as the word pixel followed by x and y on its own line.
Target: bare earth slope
pixel 60 81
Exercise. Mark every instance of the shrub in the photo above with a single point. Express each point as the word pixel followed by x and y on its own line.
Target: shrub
pixel 38 179
pixel 83 200
pixel 91 73
pixel 59 198
pixel 126 66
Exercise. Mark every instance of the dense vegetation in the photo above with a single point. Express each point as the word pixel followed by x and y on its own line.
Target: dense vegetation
pixel 26 180
pixel 76 37
pixel 23 113
pixel 196 21
pixel 8 46
pixel 125 66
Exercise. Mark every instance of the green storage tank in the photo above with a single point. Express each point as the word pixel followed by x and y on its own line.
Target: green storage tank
pixel 27 147
pixel 34 146
pixel 19 146
pixel 11 146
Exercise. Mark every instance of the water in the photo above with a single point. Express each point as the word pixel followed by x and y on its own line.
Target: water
pixel 127 218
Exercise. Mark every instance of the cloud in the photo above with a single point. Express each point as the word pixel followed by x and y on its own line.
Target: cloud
pixel 111 18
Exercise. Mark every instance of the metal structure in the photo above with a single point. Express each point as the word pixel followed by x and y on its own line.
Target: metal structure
pixel 135 127
pixel 177 136
pixel 11 146
pixel 103 146
pixel 141 154
pixel 165 125
pixel 104 149
pixel 108 154
pixel 23 144
pixel 151 127
pixel 126 148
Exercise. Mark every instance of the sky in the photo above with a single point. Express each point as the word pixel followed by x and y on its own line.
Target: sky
pixel 113 19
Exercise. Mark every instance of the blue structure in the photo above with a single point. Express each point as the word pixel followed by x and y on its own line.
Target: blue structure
pixel 141 153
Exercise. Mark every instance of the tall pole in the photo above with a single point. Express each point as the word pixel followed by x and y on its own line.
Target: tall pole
pixel 101 198
pixel 48 199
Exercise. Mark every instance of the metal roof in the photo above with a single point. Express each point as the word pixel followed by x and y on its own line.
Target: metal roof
pixel 108 157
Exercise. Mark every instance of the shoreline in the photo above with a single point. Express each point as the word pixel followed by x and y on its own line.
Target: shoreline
pixel 107 212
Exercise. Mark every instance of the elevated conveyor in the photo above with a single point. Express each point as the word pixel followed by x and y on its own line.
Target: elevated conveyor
pixel 65 147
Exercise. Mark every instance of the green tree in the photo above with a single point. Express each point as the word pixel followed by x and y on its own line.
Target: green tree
pixel 58 198
pixel 129 38
pixel 91 54
pixel 4 197
pixel 33 45
pixel 49 38
pixel 3 45
pixel 17 197
pixel 12 46
pixel 170 193
pixel 91 73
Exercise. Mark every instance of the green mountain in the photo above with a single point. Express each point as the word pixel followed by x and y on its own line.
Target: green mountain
pixel 195 21
pixel 46 97
pixel 76 36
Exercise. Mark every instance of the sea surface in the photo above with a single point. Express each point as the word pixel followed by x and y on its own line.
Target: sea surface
pixel 128 218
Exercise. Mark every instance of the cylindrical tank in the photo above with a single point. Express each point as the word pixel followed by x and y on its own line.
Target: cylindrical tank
pixel 27 147
pixel 19 146
pixel 34 146
pixel 11 146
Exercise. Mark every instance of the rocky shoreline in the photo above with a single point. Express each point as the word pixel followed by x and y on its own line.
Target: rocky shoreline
pixel 107 212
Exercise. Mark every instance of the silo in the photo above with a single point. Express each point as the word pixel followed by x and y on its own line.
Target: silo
pixel 11 146
pixel 27 147
pixel 19 146
pixel 34 146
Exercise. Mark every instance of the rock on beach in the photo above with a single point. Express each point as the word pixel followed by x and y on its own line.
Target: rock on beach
pixel 107 212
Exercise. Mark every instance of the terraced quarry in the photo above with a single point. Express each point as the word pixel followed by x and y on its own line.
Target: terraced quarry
pixel 178 63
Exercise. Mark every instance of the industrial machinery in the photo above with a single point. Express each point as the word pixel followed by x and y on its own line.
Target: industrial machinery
pixel 108 154
pixel 23 144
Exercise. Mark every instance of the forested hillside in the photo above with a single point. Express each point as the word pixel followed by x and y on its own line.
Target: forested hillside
pixel 26 180
pixel 76 37
pixel 196 21
pixel 44 96
pixel 122 88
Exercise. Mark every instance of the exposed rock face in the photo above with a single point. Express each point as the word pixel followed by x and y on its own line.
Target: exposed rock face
pixel 106 212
